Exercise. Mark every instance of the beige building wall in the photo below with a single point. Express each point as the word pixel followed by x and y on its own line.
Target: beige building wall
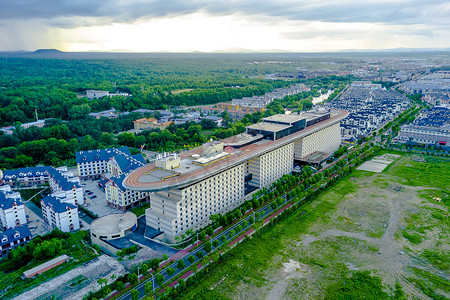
pixel 178 210
pixel 269 167
pixel 326 140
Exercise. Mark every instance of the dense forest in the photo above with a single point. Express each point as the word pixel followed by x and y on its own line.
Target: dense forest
pixel 53 86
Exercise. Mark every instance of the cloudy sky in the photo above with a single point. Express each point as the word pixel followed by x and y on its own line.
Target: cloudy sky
pixel 221 25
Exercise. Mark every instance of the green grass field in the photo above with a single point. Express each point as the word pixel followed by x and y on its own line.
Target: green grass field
pixel 384 223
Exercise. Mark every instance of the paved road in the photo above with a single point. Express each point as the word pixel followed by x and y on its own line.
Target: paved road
pixel 168 278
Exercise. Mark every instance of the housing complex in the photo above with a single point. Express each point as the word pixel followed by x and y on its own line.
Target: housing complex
pixel 431 128
pixel 435 87
pixel 369 107
pixel 66 194
pixel 112 165
pixel 62 182
pixel 238 108
pixel 187 189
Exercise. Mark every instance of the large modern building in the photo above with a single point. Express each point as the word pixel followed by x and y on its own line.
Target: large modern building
pixel 187 190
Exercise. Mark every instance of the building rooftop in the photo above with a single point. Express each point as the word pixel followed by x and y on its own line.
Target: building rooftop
pixel 241 140
pixel 190 173
pixel 284 119
pixel 44 266
pixel 113 224
pixel 99 154
pixel 14 234
pixel 56 204
pixel 7 203
pixel 269 126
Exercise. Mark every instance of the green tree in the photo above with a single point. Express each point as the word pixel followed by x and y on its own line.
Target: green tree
pixel 191 258
pixel 209 231
pixel 102 281
pixel 79 111
pixel 216 243
pixel 134 294
pixel 144 269
pixel 207 246
pixel 180 264
pixel 159 279
pixel 119 285
pixel 126 139
pixel 148 288
pixel 170 271
pixel 132 278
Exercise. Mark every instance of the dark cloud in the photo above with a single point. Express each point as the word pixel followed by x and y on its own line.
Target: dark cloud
pixel 68 13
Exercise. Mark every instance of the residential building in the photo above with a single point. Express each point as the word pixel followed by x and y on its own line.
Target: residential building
pixel 110 114
pixel 119 197
pixel 59 214
pixel 369 107
pixel 93 94
pixel 431 128
pixel 62 182
pixel 14 237
pixel 12 211
pixel 92 163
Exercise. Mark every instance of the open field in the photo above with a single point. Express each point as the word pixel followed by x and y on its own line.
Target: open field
pixel 393 224
pixel 179 91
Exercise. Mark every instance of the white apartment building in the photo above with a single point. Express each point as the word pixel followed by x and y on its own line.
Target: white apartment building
pixel 92 163
pixel 12 211
pixel 66 187
pixel 121 198
pixel 61 215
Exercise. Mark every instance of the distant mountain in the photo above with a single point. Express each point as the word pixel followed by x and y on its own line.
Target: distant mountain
pixel 47 51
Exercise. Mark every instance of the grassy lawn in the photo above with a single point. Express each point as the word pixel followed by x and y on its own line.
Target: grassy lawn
pixel 387 224
pixel 27 194
pixel 139 211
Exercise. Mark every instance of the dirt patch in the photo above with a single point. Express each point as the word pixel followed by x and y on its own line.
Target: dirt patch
pixel 364 233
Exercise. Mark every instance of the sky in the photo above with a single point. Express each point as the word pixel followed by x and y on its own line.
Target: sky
pixel 222 25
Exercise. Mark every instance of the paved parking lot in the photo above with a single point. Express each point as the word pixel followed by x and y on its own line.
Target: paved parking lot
pixel 97 205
